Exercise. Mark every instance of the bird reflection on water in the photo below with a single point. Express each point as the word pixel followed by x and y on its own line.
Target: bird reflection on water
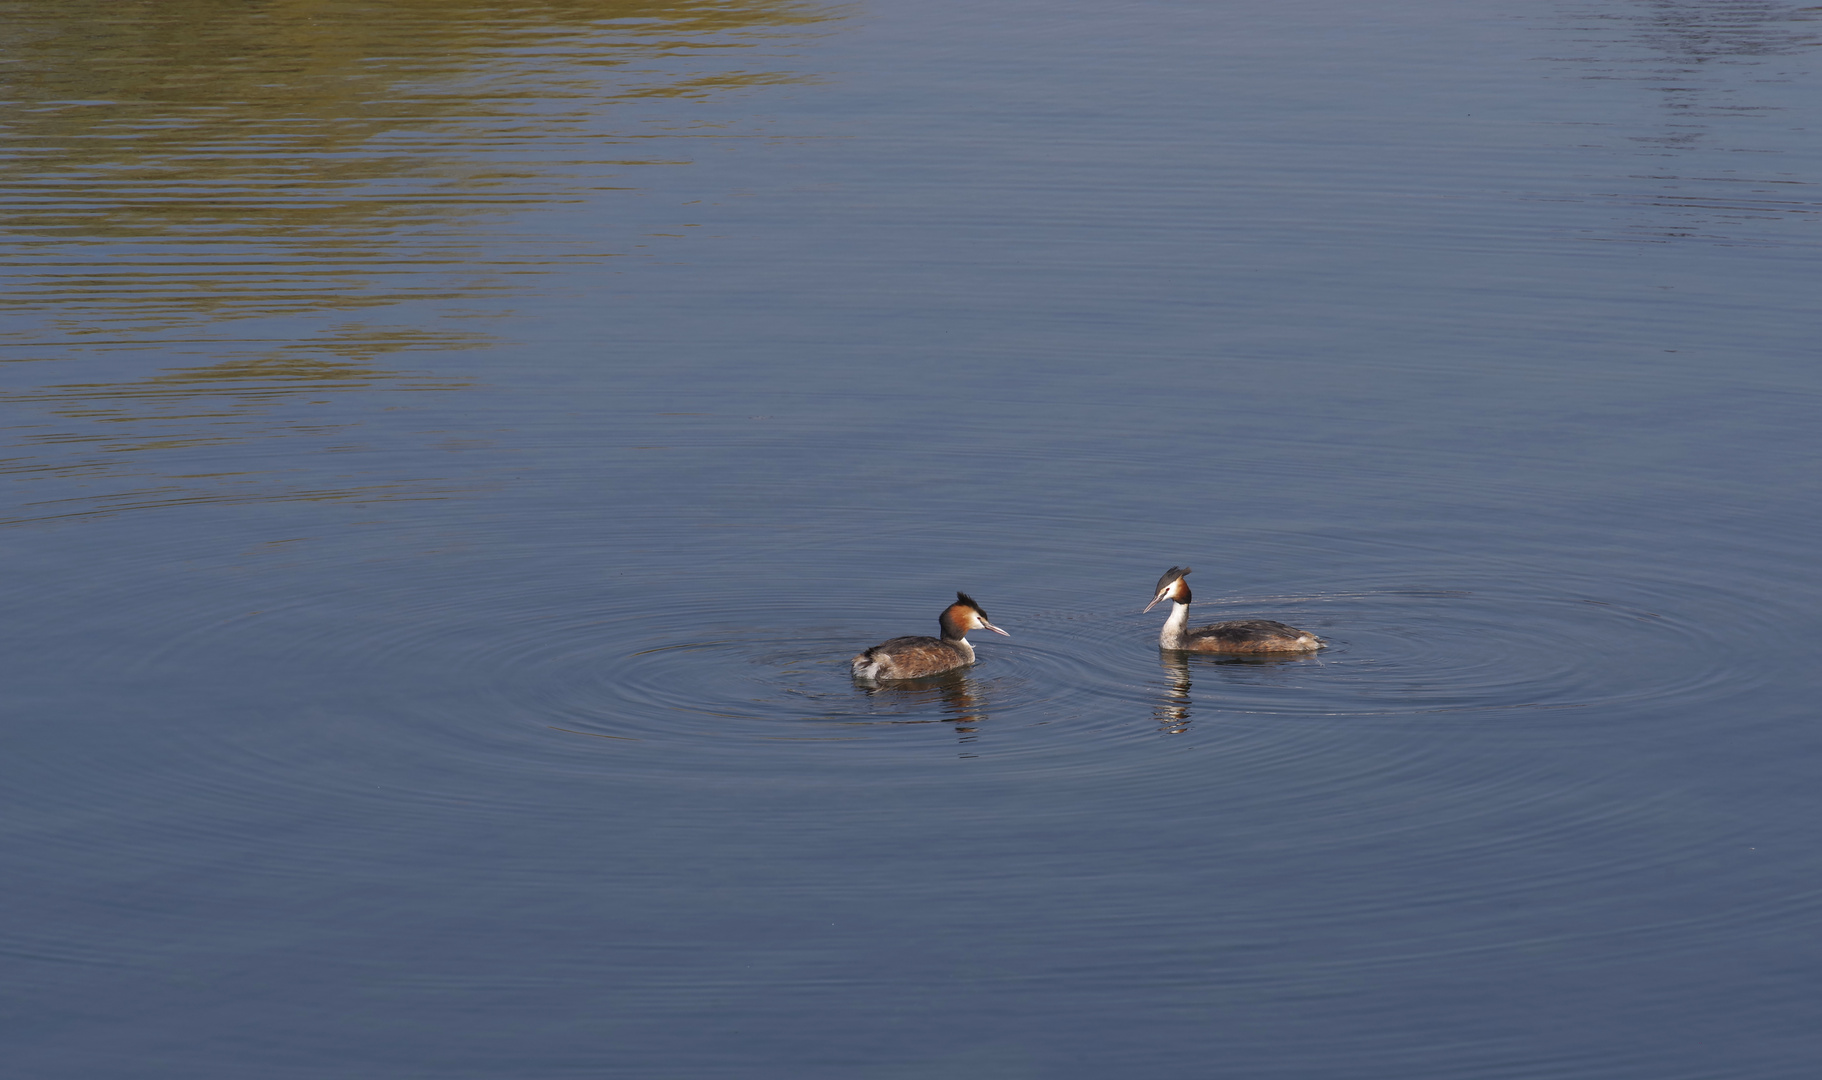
pixel 960 697
pixel 1175 707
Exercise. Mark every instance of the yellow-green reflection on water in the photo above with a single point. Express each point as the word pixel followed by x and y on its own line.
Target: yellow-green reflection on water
pixel 218 186
pixel 169 438
pixel 170 162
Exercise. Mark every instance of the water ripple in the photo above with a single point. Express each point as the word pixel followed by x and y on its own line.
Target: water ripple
pixel 702 679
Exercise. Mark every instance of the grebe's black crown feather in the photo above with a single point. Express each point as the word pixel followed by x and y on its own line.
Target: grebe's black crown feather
pixel 1171 575
pixel 964 598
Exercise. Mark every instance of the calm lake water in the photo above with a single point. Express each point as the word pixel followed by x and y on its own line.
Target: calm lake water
pixel 455 448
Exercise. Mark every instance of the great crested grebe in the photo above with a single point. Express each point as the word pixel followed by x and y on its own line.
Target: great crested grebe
pixel 913 657
pixel 1235 636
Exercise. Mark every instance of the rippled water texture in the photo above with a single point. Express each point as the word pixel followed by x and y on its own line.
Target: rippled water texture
pixel 456 448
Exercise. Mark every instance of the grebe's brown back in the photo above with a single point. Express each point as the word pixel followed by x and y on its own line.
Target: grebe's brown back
pixel 914 657
pixel 1235 636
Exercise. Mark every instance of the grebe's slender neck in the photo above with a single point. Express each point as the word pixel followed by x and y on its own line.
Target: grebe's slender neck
pixel 955 631
pixel 1176 628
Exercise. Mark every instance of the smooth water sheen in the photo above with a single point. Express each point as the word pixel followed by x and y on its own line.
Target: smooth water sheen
pixel 456 448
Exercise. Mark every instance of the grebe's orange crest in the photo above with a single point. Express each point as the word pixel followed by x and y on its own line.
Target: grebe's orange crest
pixel 968 615
pixel 1172 587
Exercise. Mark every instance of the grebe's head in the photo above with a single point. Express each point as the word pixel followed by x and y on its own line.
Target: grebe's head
pixel 1171 587
pixel 966 615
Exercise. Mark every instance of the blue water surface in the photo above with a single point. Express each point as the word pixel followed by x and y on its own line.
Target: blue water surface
pixel 455 449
